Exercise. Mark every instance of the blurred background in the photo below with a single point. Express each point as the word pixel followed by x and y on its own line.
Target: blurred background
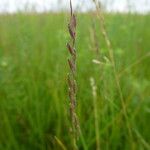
pixel 12 6
pixel 34 102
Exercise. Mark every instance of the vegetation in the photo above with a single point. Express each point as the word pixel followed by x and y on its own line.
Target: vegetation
pixel 34 102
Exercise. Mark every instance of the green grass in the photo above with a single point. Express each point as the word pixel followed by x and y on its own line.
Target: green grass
pixel 34 104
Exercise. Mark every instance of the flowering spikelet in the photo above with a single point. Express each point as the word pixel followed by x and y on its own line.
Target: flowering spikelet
pixel 72 75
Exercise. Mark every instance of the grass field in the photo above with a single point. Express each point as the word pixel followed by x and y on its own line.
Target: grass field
pixel 34 103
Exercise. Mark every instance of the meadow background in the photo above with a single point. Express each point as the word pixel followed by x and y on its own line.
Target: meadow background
pixel 34 103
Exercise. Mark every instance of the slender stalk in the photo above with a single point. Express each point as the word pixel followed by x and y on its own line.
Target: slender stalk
pixel 94 92
pixel 111 55
pixel 138 61
pixel 94 38
pixel 72 77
